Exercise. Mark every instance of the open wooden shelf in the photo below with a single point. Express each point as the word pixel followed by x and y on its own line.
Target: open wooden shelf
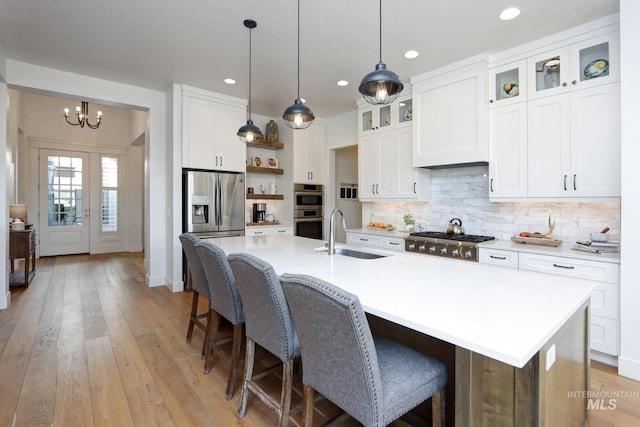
pixel 265 196
pixel 263 144
pixel 276 171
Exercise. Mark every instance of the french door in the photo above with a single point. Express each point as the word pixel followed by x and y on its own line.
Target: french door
pixel 64 202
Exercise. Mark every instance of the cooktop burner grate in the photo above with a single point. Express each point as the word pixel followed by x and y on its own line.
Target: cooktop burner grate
pixel 456 237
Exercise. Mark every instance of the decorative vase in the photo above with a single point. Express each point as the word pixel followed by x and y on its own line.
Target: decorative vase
pixel 272 131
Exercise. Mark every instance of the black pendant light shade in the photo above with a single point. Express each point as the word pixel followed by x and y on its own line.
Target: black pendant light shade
pixel 298 116
pixel 380 86
pixel 249 132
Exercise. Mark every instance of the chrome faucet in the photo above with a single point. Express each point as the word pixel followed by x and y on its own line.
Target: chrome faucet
pixel 332 238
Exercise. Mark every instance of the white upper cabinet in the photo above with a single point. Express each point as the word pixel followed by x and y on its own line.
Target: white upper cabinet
pixel 508 84
pixel 385 170
pixel 398 114
pixel 581 65
pixel 574 144
pixel 508 151
pixel 450 115
pixel 309 152
pixel 210 123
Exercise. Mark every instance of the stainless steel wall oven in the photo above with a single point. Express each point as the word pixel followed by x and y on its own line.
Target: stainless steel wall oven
pixel 308 211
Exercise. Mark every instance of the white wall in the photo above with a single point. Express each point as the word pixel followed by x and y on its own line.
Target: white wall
pixel 629 360
pixel 28 76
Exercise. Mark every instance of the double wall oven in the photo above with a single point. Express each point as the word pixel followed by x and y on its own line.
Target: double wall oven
pixel 308 210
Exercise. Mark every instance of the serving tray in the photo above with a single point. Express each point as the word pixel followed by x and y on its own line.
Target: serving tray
pixel 537 241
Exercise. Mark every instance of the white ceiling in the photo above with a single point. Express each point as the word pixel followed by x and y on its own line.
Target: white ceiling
pixel 153 43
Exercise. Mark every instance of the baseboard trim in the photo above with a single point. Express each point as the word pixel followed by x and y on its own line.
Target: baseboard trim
pixel 629 368
pixel 5 300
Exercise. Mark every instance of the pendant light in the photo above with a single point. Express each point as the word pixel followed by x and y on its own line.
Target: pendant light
pixel 380 86
pixel 298 116
pixel 249 132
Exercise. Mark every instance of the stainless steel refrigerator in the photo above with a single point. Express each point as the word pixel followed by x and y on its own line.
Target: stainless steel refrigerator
pixel 213 203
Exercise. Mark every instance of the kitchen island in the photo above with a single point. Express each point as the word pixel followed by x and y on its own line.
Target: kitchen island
pixel 520 338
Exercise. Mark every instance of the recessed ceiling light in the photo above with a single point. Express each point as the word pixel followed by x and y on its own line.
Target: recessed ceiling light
pixel 509 13
pixel 410 54
pixel 342 83
pixel 230 81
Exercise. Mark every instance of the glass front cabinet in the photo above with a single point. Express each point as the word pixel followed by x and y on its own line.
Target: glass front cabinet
pixel 586 64
pixel 508 84
pixel 384 117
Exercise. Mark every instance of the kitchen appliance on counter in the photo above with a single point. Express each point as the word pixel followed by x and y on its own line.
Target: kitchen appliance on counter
pixel 259 212
pixel 458 246
pixel 308 212
pixel 212 203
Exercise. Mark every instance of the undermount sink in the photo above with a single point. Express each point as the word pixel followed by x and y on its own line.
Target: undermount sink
pixel 358 254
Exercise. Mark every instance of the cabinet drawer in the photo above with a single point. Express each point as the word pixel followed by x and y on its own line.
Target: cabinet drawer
pixel 604 335
pixel 498 257
pixel 578 268
pixel 604 301
pixel 364 239
pixel 393 244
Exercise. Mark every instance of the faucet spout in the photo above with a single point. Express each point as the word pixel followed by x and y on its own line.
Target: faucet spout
pixel 332 238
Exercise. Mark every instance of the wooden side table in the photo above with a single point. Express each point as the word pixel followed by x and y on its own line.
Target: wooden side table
pixel 22 244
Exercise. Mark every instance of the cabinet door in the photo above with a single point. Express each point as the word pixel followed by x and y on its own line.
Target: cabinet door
pixel 209 135
pixel 198 133
pixel 309 155
pixel 508 84
pixel 403 177
pixel 549 147
pixel 508 151
pixel 595 61
pixel 595 141
pixel 369 167
pixel 548 73
pixel 230 151
pixel 450 119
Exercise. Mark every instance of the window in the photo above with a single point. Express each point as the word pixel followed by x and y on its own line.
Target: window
pixel 64 192
pixel 109 193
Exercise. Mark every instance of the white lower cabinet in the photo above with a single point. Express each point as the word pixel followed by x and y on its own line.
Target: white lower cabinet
pixel 498 257
pixel 604 301
pixel 264 230
pixel 375 241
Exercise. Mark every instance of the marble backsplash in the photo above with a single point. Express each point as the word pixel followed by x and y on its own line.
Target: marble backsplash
pixel 463 193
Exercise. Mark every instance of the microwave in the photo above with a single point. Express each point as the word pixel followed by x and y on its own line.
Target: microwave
pixel 308 196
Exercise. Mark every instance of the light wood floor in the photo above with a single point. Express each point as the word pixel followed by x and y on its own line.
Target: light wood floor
pixel 88 344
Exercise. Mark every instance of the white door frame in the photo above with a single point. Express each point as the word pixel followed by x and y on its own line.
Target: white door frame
pixel 99 242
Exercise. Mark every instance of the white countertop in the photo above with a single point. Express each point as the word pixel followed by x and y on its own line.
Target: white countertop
pixel 388 233
pixel 501 313
pixel 560 251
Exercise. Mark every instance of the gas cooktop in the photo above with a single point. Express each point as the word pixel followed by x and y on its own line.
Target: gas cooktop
pixel 456 237
pixel 458 246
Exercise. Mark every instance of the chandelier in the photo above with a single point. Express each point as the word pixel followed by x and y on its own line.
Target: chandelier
pixel 82 114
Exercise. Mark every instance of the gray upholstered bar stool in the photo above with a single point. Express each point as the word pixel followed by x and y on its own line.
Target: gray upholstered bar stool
pixel 268 323
pixel 226 303
pixel 198 284
pixel 373 379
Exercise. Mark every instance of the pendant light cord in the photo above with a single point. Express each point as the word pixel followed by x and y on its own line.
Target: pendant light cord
pixel 380 32
pixel 249 74
pixel 298 49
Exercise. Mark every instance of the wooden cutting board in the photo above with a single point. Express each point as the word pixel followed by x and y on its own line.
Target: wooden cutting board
pixel 537 241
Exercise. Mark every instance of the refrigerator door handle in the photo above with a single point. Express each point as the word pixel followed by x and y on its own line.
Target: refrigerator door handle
pixel 219 202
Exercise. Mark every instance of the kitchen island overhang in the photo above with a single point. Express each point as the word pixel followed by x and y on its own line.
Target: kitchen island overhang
pixel 502 317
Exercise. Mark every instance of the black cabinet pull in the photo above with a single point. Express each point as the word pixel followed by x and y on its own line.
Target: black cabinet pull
pixel 498 257
pixel 564 84
pixel 574 182
pixel 414 188
pixel 568 267
pixel 565 183
pixel 491 185
pixel 394 244
pixel 362 239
